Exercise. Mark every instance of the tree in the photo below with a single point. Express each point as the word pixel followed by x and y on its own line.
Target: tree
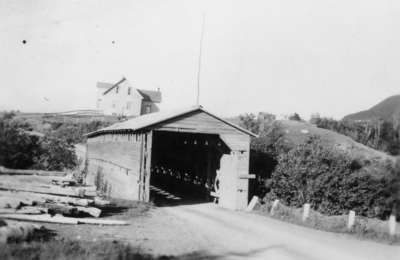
pixel 295 117
pixel 249 122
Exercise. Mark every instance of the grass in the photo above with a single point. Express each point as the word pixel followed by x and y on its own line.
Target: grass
pixel 72 249
pixel 364 228
pixel 297 132
pixel 84 250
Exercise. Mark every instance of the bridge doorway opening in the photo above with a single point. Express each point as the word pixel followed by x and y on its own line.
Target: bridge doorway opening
pixel 184 167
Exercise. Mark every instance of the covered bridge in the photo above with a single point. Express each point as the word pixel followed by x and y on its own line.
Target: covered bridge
pixel 190 151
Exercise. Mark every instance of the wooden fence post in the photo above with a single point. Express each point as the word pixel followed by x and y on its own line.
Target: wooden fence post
pixel 252 203
pixel 274 206
pixel 306 211
pixel 352 218
pixel 392 225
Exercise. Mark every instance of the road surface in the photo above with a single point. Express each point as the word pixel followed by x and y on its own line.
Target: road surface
pixel 241 235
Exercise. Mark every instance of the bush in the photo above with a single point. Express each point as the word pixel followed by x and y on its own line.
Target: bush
pixel 333 182
pixel 20 149
pixel 17 148
pixel 55 155
pixel 75 132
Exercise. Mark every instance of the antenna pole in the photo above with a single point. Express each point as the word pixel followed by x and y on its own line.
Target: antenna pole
pixel 199 64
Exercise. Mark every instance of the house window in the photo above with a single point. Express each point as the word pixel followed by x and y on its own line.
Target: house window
pixel 148 109
pixel 128 105
pixel 129 91
pixel 116 90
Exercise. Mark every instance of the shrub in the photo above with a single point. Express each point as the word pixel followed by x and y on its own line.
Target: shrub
pixel 17 148
pixel 332 182
pixel 74 132
pixel 20 149
pixel 55 155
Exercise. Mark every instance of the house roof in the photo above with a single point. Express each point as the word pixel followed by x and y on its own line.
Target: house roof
pixel 150 95
pixel 114 86
pixel 148 120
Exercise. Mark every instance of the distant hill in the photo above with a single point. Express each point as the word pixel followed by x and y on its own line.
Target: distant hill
pixel 388 110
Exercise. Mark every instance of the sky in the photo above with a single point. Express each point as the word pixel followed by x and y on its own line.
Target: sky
pixel 331 57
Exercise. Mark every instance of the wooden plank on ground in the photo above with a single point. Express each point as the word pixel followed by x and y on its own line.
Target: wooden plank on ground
pixel 7 171
pixel 104 222
pixel 43 198
pixel 24 210
pixel 49 189
pixel 46 218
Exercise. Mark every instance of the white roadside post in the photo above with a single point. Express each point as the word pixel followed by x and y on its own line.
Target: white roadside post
pixel 352 218
pixel 392 225
pixel 274 206
pixel 252 204
pixel 306 211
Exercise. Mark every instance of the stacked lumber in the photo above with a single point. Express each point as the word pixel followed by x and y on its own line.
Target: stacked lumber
pixel 43 197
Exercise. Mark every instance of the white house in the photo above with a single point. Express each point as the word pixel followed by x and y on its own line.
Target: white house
pixel 122 99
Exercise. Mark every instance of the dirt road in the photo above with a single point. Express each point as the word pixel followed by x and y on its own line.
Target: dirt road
pixel 226 234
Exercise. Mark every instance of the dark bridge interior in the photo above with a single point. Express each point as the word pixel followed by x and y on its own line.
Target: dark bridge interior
pixel 184 166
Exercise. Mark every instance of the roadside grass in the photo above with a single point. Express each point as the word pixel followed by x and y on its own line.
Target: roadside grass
pixel 364 228
pixel 84 250
pixel 73 249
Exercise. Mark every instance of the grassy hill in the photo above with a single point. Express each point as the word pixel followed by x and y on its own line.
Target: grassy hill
pixel 296 132
pixel 388 109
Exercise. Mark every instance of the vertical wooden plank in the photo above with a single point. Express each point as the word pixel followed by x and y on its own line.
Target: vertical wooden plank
pixel 227 176
pixel 147 170
pixel 141 169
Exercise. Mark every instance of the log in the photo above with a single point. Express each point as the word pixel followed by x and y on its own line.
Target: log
pixel 46 218
pixel 31 210
pixel 99 202
pixel 49 189
pixel 64 183
pixel 95 212
pixel 43 198
pixel 24 210
pixel 104 222
pixel 55 209
pixel 70 211
pixel 6 171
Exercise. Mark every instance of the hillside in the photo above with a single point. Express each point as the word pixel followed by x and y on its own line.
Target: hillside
pixel 388 110
pixel 297 132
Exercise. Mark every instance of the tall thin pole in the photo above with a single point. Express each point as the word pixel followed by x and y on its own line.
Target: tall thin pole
pixel 199 65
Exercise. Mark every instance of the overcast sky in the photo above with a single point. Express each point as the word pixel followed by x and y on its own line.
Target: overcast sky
pixel 280 56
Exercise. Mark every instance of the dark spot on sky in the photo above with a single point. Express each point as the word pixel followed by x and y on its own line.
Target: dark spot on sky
pixel 113 42
pixel 23 41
